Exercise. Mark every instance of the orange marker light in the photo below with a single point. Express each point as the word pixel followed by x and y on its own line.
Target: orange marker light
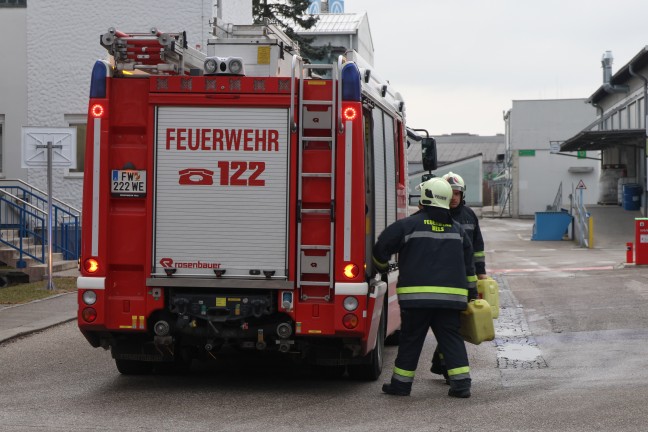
pixel 91 265
pixel 351 271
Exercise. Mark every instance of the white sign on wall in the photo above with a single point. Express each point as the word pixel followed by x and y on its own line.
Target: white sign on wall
pixel 554 147
pixel 34 146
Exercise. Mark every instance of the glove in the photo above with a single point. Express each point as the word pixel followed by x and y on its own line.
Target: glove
pixel 381 270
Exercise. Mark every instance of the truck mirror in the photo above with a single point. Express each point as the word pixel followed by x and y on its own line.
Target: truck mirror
pixel 429 154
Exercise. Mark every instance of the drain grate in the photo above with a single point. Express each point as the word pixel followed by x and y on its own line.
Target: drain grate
pixel 516 346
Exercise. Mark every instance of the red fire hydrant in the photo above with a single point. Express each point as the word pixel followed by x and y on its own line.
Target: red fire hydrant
pixel 629 253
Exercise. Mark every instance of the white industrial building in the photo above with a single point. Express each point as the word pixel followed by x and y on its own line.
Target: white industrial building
pixel 539 175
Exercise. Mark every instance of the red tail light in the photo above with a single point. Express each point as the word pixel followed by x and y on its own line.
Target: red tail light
pixel 350 113
pixel 97 110
pixel 89 314
pixel 350 321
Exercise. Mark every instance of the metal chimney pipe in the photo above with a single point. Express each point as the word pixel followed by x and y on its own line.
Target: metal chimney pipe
pixel 606 62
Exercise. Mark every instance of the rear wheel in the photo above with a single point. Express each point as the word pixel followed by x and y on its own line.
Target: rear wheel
pixel 133 367
pixel 371 368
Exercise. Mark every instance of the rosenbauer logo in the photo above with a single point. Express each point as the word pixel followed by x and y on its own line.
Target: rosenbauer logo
pixel 169 263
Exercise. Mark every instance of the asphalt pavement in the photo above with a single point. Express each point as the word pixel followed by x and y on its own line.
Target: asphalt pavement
pixel 614 227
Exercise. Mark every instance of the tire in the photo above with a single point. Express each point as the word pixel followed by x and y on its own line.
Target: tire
pixel 372 365
pixel 133 367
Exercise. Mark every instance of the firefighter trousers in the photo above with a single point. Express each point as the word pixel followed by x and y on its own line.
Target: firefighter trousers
pixel 414 327
pixel 438 364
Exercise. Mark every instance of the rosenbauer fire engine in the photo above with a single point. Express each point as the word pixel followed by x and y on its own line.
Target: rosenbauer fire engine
pixel 234 199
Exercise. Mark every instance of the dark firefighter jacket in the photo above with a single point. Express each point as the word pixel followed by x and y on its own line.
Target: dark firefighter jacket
pixel 470 223
pixel 435 260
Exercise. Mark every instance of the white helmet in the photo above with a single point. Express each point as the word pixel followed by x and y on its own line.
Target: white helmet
pixel 455 181
pixel 436 192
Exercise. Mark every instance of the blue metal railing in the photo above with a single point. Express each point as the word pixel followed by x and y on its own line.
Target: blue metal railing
pixel 20 226
pixel 23 219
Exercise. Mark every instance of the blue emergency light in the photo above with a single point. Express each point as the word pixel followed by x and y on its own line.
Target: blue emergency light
pixel 351 87
pixel 98 79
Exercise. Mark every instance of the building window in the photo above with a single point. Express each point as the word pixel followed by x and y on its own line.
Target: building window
pixel 13 3
pixel 632 116
pixel 640 115
pixel 79 122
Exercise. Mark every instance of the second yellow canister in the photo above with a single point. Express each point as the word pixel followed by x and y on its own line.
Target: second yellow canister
pixel 477 322
pixel 488 289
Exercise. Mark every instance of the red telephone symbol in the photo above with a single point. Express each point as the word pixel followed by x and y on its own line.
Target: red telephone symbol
pixel 196 176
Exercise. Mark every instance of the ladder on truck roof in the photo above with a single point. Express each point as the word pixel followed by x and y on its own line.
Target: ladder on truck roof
pixel 152 52
pixel 316 177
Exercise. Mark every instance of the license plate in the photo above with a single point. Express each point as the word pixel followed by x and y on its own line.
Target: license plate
pixel 128 183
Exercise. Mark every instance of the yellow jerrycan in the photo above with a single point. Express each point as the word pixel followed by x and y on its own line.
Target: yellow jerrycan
pixel 488 290
pixel 477 322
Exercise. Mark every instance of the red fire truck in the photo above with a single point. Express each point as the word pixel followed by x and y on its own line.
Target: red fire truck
pixel 234 198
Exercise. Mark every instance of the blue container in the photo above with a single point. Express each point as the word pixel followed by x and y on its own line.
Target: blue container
pixel 551 225
pixel 631 196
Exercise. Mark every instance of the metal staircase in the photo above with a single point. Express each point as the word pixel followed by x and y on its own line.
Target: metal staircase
pixel 502 185
pixel 23 230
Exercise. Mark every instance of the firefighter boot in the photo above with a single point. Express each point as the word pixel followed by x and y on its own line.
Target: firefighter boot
pixel 438 365
pixel 460 388
pixel 397 388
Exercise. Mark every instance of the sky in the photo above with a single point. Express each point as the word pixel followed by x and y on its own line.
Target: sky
pixel 459 64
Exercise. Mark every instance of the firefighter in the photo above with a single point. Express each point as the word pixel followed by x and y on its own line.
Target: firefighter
pixel 468 219
pixel 436 280
pixel 470 223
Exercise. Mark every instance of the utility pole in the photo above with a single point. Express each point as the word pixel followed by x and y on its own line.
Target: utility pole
pixel 49 146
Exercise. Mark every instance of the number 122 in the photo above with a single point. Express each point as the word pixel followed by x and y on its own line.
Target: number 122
pixel 238 168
